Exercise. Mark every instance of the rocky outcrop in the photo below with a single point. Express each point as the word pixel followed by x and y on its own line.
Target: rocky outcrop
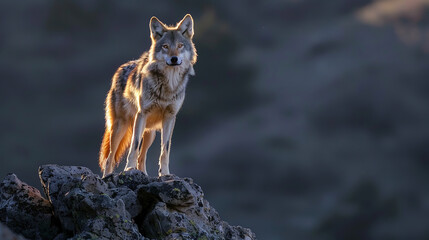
pixel 129 205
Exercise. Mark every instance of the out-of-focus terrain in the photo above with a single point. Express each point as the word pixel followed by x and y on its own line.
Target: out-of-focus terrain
pixel 307 119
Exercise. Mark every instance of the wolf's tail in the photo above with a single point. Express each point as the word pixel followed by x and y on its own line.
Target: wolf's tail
pixel 122 147
pixel 105 149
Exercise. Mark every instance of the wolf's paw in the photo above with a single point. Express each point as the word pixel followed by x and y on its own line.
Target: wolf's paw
pixel 129 169
pixel 163 173
pixel 105 176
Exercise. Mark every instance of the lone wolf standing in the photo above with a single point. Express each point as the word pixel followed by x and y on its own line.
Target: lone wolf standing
pixel 146 95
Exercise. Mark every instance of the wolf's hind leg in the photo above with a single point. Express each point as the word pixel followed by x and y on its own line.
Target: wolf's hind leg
pixel 118 131
pixel 148 137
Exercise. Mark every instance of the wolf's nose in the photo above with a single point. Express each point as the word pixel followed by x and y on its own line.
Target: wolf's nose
pixel 174 59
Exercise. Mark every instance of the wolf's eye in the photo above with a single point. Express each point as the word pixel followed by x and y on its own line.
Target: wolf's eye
pixel 180 45
pixel 165 46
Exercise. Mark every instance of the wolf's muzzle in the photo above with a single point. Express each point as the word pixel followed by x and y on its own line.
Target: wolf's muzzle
pixel 174 61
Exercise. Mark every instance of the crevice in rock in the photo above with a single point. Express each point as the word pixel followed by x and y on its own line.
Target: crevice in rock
pixel 148 202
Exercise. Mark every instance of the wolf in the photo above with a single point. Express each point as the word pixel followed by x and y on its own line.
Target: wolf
pixel 145 96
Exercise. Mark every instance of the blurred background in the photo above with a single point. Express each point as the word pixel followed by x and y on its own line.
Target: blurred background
pixel 306 119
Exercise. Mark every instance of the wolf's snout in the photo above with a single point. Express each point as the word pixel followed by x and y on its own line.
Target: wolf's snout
pixel 174 60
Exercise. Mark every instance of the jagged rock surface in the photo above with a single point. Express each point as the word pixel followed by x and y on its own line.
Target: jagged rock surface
pixel 129 205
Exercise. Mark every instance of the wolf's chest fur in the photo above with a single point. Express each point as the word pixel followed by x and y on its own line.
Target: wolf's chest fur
pixel 164 87
pixel 155 92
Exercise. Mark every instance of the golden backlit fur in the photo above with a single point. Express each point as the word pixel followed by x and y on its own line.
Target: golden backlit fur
pixel 145 96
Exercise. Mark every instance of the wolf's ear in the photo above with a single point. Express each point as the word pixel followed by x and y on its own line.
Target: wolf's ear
pixel 157 28
pixel 186 26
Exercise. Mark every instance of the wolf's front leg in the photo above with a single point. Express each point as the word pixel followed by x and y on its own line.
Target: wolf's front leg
pixel 139 125
pixel 166 133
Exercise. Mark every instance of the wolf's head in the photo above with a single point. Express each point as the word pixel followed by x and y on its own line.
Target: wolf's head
pixel 173 46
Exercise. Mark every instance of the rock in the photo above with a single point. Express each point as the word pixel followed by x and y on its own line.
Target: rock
pixel 174 191
pixel 180 211
pixel 129 205
pixel 82 202
pixel 57 181
pixel 25 211
pixel 7 234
